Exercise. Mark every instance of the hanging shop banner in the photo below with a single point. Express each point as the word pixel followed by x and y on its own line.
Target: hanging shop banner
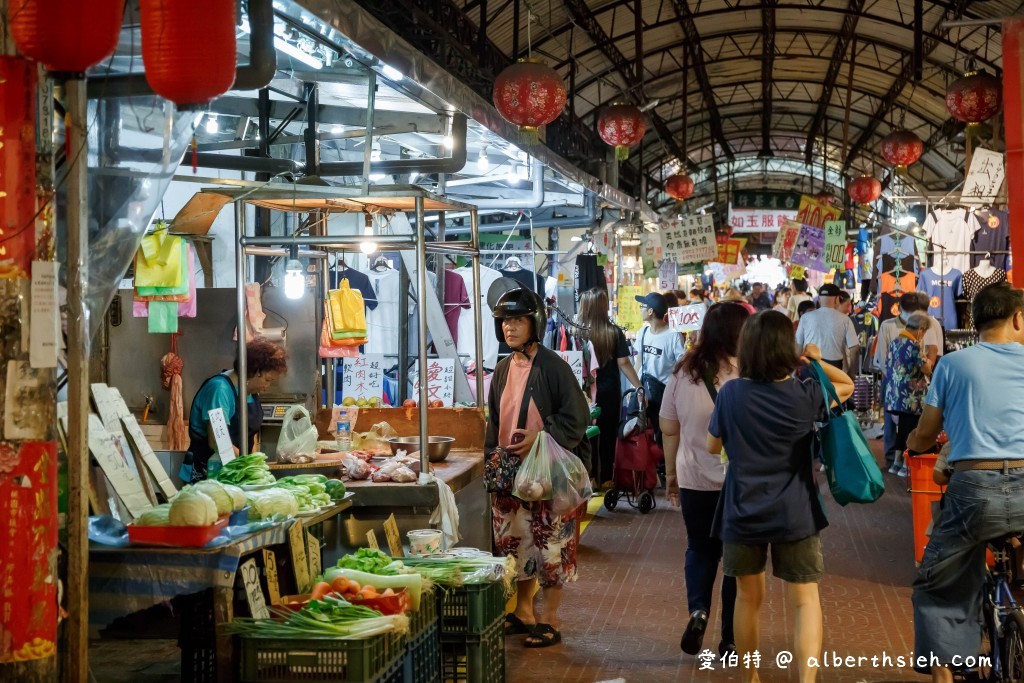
pixel 17 166
pixel 575 361
pixel 688 239
pixel 363 377
pixel 761 211
pixel 729 249
pixel 816 213
pixel 28 551
pixel 440 381
pixel 835 244
pixel 668 275
pixel 696 268
pixel 809 251
pixel 785 241
pixel 629 308
pixel 686 318
pixel 984 179
pixel 797 272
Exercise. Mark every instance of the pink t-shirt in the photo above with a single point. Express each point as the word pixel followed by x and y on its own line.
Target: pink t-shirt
pixel 512 401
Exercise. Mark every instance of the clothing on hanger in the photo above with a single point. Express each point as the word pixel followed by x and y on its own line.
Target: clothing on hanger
pixel 466 343
pixel 974 283
pixel 527 278
pixel 456 298
pixel 992 234
pixel 512 264
pixel 587 275
pixel 356 280
pixel 942 291
pixel 950 229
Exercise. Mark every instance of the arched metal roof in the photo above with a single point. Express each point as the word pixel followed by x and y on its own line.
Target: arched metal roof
pixel 733 79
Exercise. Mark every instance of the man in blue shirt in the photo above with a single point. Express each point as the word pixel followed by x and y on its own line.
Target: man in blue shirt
pixel 977 395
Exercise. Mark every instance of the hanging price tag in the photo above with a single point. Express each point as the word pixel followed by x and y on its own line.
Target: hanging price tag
pixel 300 564
pixel 270 567
pixel 371 540
pixel 253 591
pixel 394 537
pixel 221 437
pixel 313 553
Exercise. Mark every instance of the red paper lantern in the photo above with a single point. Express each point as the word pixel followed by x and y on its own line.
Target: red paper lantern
pixel 865 189
pixel 974 98
pixel 902 148
pixel 679 187
pixel 529 94
pixel 622 126
pixel 18 218
pixel 67 36
pixel 188 47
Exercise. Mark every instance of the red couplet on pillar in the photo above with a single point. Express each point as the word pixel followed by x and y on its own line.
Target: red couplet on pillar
pixel 1013 94
pixel 17 166
pixel 28 551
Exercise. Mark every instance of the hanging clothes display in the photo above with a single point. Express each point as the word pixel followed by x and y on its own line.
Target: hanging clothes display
pixel 896 269
pixel 991 234
pixel 949 228
pixel 382 319
pixel 527 278
pixel 942 290
pixel 587 275
pixel 976 280
pixel 456 298
pixel 466 344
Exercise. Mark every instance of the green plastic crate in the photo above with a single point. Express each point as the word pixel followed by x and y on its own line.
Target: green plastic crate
pixel 327 660
pixel 475 659
pixel 422 661
pixel 471 609
pixel 425 616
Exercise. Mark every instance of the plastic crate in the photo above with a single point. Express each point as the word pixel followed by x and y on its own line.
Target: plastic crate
pixel 425 616
pixel 280 660
pixel 422 661
pixel 475 659
pixel 471 609
pixel 197 638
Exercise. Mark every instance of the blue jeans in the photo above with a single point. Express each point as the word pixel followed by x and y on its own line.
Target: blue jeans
pixel 703 553
pixel 978 506
pixel 889 439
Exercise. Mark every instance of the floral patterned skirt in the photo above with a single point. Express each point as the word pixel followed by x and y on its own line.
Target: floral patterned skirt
pixel 543 544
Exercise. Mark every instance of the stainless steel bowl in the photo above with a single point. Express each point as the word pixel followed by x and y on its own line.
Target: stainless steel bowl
pixel 437 446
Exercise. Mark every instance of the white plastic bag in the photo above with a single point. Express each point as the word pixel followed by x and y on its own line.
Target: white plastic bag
pixel 552 473
pixel 297 442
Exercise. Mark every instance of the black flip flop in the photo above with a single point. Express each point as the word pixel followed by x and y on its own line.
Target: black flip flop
pixel 516 626
pixel 543 635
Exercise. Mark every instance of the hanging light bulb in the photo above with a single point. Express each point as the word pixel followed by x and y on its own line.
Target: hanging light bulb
pixel 367 246
pixel 523 172
pixel 515 178
pixel 375 156
pixel 212 126
pixel 294 278
pixel 482 164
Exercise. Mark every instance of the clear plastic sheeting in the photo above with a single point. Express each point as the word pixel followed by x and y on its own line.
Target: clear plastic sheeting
pixel 135 147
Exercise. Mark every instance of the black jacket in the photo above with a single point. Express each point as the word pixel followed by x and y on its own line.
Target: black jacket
pixel 559 400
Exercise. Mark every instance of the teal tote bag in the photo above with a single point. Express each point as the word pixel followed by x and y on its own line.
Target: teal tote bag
pixel 853 474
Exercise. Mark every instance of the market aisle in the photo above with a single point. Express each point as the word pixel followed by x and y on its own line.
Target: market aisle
pixel 624 616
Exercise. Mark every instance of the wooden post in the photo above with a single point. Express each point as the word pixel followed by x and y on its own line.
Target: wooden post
pixel 1013 98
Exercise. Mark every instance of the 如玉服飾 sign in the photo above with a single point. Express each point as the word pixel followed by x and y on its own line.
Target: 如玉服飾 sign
pixel 984 178
pixel 575 361
pixel 761 211
pixel 809 250
pixel 440 381
pixel 363 377
pixel 221 436
pixel 688 239
pixel 686 318
pixel 835 244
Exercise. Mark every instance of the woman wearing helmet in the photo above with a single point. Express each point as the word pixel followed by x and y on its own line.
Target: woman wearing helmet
pixel 543 544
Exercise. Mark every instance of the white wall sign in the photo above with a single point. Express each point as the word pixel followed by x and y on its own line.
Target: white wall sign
pixel 668 275
pixel 363 377
pixel 115 466
pixel 45 320
pixel 221 437
pixel 686 318
pixel 984 179
pixel 690 239
pixel 575 361
pixel 440 381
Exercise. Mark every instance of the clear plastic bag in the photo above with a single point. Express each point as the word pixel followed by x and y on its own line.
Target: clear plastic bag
pixel 552 473
pixel 297 442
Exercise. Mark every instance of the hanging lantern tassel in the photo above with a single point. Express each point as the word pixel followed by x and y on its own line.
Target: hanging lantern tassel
pixel 621 152
pixel 901 171
pixel 195 155
pixel 529 135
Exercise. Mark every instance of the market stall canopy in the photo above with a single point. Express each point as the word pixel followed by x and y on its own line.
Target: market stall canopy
pixel 306 198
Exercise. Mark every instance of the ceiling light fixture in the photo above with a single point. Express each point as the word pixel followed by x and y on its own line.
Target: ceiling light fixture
pixel 482 164
pixel 212 126
pixel 297 53
pixel 368 246
pixel 294 277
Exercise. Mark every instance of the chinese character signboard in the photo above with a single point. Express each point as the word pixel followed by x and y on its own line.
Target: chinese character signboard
pixel 809 251
pixel 816 213
pixel 761 211
pixel 984 179
pixel 575 361
pixel 835 244
pixel 629 308
pixel 689 239
pixel 786 240
pixel 363 377
pixel 729 250
pixel 686 318
pixel 667 275
pixel 440 381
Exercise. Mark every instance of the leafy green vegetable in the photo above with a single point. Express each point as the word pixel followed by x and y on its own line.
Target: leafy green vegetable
pixel 273 501
pixel 216 491
pixel 328 618
pixel 192 507
pixel 335 488
pixel 367 560
pixel 158 516
pixel 249 470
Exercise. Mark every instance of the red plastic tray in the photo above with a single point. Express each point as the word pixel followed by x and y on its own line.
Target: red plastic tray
pixel 183 536
pixel 399 603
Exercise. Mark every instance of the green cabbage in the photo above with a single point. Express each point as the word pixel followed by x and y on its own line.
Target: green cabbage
pixel 237 496
pixel 221 498
pixel 273 501
pixel 158 516
pixel 192 507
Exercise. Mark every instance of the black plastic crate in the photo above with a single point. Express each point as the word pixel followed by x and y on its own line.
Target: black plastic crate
pixel 475 658
pixel 316 660
pixel 470 609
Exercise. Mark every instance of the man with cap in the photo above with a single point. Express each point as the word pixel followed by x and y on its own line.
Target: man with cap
pixel 658 349
pixel 830 330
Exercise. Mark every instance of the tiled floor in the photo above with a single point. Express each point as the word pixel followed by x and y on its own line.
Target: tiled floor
pixel 624 616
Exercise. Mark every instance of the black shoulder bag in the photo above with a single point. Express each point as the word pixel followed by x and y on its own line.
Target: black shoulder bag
pixel 500 466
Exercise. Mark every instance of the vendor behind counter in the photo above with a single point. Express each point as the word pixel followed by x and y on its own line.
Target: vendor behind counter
pixel 265 363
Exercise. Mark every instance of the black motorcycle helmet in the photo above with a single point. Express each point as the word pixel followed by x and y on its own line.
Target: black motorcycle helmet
pixel 517 303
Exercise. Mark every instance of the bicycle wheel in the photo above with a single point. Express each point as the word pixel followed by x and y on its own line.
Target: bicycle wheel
pixel 1013 647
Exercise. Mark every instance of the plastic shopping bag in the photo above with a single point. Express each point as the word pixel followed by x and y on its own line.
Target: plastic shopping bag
pixel 552 473
pixel 297 442
pixel 347 310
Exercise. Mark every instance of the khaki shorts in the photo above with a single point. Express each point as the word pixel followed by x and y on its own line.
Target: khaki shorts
pixel 796 561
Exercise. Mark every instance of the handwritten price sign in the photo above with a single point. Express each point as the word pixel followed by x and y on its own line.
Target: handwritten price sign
pixel 575 361
pixel 686 318
pixel 835 244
